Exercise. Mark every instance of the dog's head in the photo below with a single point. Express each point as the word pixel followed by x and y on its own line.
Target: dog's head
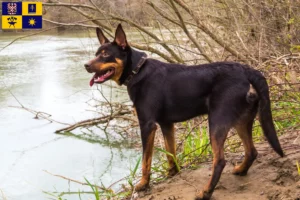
pixel 111 57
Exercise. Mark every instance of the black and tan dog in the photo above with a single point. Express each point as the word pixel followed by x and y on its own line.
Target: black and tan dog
pixel 230 93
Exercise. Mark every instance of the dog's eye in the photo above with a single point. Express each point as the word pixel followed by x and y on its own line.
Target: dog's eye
pixel 104 54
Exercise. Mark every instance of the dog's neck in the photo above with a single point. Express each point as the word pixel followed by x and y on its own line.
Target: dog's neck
pixel 133 59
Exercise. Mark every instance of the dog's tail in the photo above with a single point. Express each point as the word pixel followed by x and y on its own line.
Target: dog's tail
pixel 265 116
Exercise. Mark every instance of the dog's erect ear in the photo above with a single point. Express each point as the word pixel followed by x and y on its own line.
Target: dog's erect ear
pixel 102 39
pixel 120 37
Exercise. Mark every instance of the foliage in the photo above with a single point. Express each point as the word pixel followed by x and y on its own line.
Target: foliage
pixel 133 172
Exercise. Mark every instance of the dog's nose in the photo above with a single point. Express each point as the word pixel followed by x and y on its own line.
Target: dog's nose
pixel 87 66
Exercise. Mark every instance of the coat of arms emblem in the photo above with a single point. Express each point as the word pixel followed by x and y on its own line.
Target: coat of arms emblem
pixel 12 8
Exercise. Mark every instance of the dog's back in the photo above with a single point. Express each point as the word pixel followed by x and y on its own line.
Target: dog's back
pixel 180 92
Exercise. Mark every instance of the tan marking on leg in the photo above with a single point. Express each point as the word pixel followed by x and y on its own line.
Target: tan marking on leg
pixel 146 163
pixel 244 131
pixel 218 152
pixel 218 166
pixel 169 139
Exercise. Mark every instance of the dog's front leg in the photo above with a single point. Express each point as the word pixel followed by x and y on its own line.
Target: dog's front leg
pixel 147 133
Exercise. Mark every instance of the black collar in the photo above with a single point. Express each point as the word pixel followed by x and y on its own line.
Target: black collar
pixel 136 69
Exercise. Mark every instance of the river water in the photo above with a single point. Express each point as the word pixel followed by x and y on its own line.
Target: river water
pixel 46 73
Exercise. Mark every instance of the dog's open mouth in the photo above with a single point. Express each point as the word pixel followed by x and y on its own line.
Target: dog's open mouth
pixel 102 76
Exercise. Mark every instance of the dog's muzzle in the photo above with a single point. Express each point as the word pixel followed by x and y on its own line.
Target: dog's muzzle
pixel 88 67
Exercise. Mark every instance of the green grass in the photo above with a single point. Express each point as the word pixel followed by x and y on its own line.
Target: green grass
pixel 196 145
pixel 94 188
pixel 169 154
pixel 132 176
pixel 298 167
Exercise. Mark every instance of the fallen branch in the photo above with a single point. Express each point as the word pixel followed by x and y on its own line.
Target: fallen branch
pixel 40 114
pixel 95 121
pixel 79 182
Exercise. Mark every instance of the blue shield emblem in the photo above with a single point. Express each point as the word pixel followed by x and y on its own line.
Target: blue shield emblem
pixel 31 8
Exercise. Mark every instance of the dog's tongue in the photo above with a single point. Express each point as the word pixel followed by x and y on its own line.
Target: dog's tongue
pixel 92 81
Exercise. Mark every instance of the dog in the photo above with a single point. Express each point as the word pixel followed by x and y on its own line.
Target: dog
pixel 163 93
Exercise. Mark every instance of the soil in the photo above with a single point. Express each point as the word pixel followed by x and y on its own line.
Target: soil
pixel 270 177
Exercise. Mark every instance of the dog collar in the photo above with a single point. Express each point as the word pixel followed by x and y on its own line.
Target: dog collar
pixel 135 70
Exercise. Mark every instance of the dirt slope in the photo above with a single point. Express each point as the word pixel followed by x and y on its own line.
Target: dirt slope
pixel 270 177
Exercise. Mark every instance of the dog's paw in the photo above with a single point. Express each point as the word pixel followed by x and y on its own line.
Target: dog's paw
pixel 142 185
pixel 203 196
pixel 239 171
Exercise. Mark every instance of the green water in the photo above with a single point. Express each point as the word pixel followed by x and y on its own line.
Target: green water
pixel 46 73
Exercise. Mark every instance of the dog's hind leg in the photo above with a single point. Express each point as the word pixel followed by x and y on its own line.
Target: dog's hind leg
pixel 169 138
pixel 218 134
pixel 244 130
pixel 225 106
pixel 148 130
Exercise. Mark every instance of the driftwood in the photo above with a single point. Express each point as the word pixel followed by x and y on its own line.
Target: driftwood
pixel 94 121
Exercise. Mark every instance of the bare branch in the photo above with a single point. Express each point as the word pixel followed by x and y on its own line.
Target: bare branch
pixel 70 5
pixel 189 34
pixel 91 122
pixel 37 114
pixel 40 114
pixel 176 57
pixel 152 50
pixel 161 13
pixel 119 18
pixel 206 30
pixel 92 19
pixel 78 23
pixel 69 24
pixel 75 181
pixel 98 9
pixel 29 35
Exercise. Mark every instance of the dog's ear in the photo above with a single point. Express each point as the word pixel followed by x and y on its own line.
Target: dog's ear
pixel 102 39
pixel 120 37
